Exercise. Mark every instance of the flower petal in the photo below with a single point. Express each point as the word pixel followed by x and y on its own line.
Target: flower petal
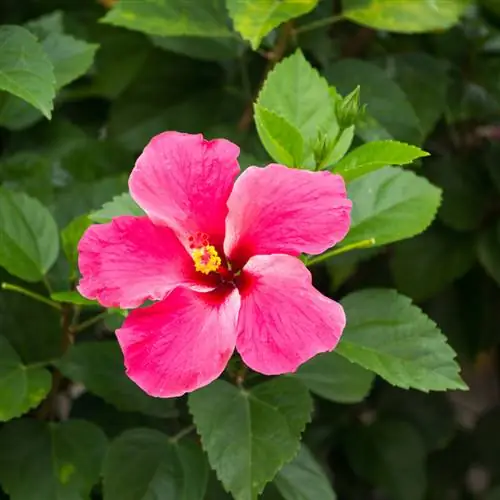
pixel 184 181
pixel 130 260
pixel 284 320
pixel 280 210
pixel 181 343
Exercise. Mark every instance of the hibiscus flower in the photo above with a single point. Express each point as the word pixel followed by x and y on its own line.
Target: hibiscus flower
pixel 219 256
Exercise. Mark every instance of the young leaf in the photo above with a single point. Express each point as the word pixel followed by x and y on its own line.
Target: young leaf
pixel 390 205
pixel 25 69
pixel 281 139
pixel 73 298
pixel 99 366
pixel 21 387
pixel 249 435
pixel 122 204
pixel 375 155
pixel 70 236
pixel 385 333
pixel 405 16
pixel 171 17
pixel 254 20
pixel 29 236
pixel 333 377
pixel 63 460
pixel 143 463
pixel 303 478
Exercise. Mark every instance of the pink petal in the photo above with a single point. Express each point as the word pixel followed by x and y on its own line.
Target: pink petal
pixel 280 210
pixel 284 320
pixel 181 343
pixel 184 181
pixel 130 260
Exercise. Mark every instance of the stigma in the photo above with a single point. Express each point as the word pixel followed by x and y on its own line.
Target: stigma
pixel 206 259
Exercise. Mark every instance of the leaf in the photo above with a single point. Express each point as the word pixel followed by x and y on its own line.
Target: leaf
pixel 171 17
pixel 45 461
pixel 304 479
pixel 73 298
pixel 389 114
pixel 21 387
pixel 488 251
pixel 254 20
pixel 25 69
pixel 70 236
pixel 405 16
pixel 249 435
pixel 385 333
pixel 282 140
pixel 122 204
pixel 333 377
pixel 99 366
pixel 391 455
pixel 144 464
pixel 439 255
pixel 375 155
pixel 390 205
pixel 29 236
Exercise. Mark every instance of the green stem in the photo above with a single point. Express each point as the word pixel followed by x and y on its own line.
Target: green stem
pixel 89 322
pixel 318 24
pixel 32 295
pixel 42 364
pixel 182 433
pixel 338 251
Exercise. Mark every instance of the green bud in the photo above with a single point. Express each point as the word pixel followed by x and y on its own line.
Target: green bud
pixel 322 148
pixel 348 109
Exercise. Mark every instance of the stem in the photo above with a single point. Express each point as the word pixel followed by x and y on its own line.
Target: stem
pixel 182 433
pixel 89 322
pixel 42 364
pixel 337 251
pixel 46 282
pixel 32 295
pixel 319 24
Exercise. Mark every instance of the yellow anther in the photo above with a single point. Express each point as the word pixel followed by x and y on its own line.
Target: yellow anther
pixel 206 259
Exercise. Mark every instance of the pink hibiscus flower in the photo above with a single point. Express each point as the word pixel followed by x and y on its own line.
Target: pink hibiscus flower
pixel 219 256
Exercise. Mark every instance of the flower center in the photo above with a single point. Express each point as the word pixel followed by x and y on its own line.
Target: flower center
pixel 206 259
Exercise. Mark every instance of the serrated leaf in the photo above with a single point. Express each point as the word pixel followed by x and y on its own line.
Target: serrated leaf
pixel 21 387
pixel 304 479
pixel 281 139
pixel 405 16
pixel 333 377
pixel 29 236
pixel 254 20
pixel 375 155
pixel 249 435
pixel 25 69
pixel 122 204
pixel 171 17
pixel 385 333
pixel 144 464
pixel 390 205
pixel 63 460
pixel 99 366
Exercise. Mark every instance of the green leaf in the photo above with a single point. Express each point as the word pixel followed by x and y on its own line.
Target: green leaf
pixel 73 298
pixel 389 114
pixel 488 251
pixel 304 479
pixel 333 377
pixel 21 387
pixel 375 155
pixel 405 16
pixel 70 236
pixel 25 69
pixel 45 461
pixel 122 204
pixel 249 435
pixel 391 455
pixel 29 236
pixel 390 205
pixel 171 17
pixel 385 333
pixel 254 20
pixel 99 366
pixel 295 91
pixel 144 464
pixel 281 139
pixel 439 255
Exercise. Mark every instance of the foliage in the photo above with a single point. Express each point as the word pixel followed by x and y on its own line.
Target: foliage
pixel 402 99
